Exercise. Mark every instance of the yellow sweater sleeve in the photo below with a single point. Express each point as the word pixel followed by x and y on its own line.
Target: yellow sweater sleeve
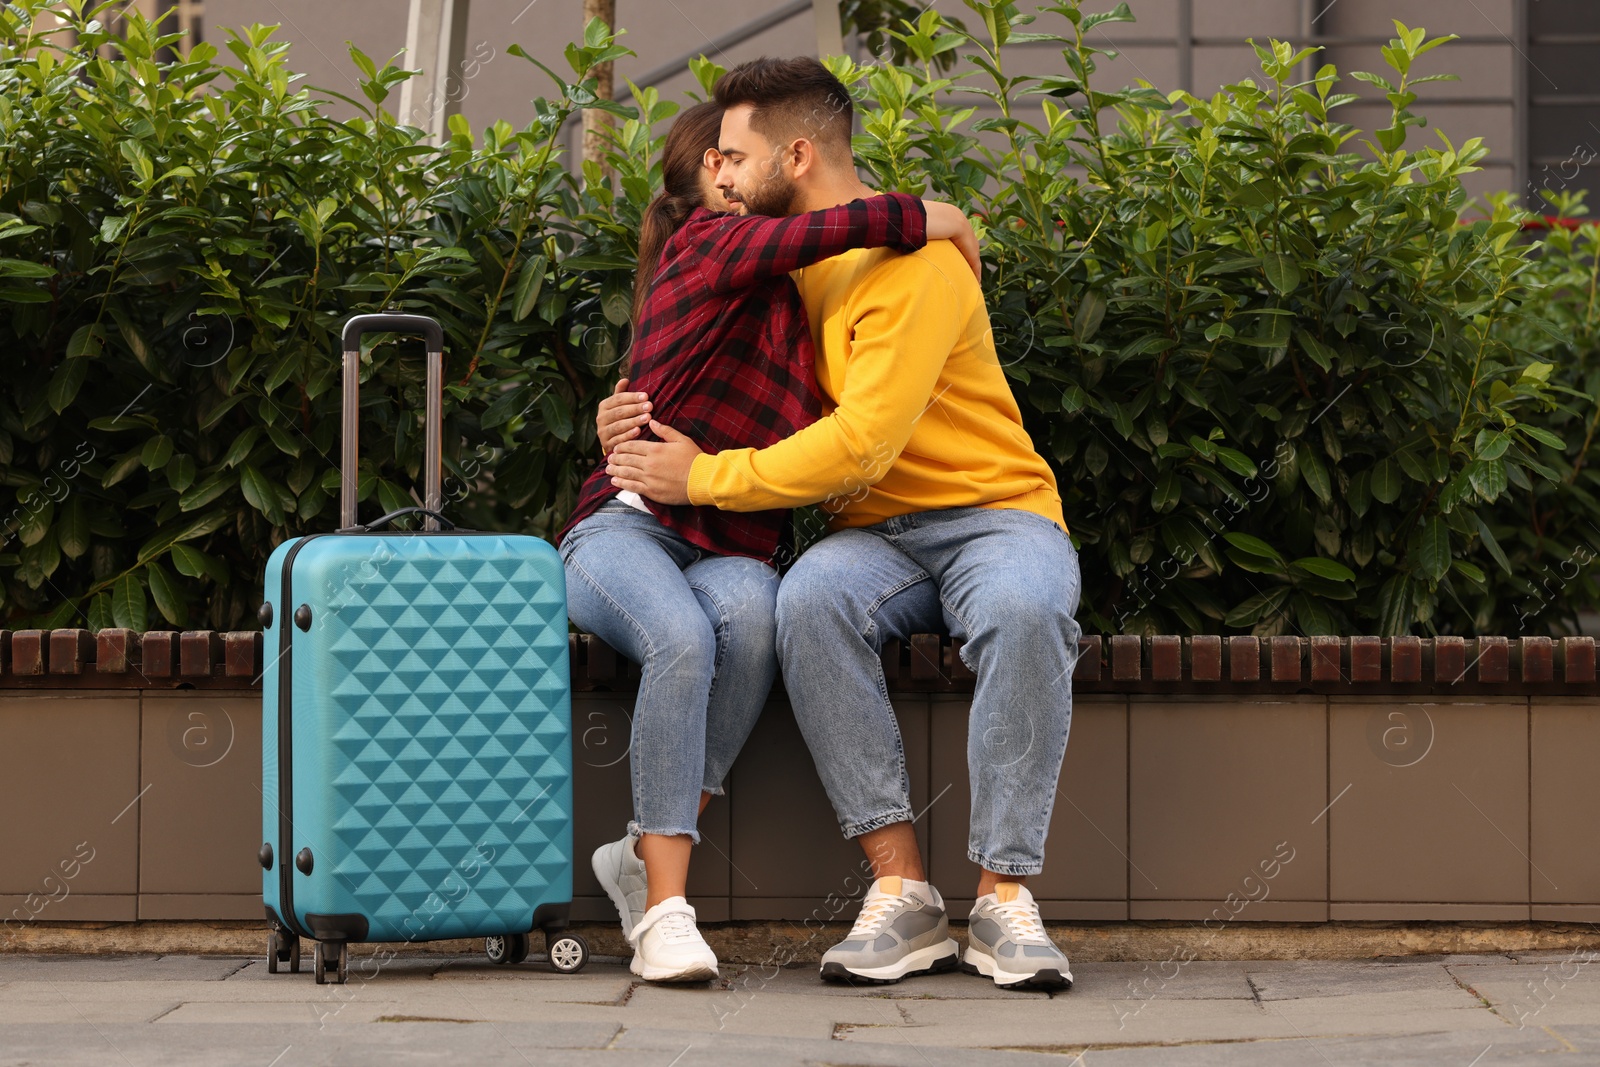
pixel 904 320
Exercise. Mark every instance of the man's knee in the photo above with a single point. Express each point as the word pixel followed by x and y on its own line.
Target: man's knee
pixel 1016 615
pixel 818 583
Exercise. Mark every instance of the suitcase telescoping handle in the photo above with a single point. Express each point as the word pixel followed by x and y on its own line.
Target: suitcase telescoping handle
pixel 433 416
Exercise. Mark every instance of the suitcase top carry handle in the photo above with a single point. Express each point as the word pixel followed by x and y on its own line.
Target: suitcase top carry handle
pixel 386 519
pixel 433 415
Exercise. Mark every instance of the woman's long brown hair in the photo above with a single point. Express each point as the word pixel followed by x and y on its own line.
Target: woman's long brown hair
pixel 698 129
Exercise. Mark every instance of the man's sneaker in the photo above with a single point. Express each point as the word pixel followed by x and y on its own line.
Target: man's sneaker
pixel 901 931
pixel 621 875
pixel 667 946
pixel 1006 941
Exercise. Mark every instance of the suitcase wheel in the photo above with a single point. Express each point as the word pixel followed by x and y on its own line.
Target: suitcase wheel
pixel 283 947
pixel 568 952
pixel 506 948
pixel 332 962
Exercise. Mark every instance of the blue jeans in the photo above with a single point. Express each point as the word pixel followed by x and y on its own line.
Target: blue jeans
pixel 1006 581
pixel 701 628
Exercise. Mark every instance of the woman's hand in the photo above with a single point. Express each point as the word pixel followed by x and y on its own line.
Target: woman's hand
pixel 620 417
pixel 946 222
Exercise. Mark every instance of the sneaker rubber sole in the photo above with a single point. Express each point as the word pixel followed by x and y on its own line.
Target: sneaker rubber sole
pixel 1047 979
pixel 931 960
pixel 694 972
pixel 609 874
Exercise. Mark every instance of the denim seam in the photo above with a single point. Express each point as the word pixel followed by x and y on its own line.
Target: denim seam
pixel 922 576
pixel 877 822
pixel 1023 869
pixel 637 830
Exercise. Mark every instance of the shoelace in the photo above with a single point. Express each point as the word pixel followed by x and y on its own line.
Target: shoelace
pixel 1022 921
pixel 676 927
pixel 875 910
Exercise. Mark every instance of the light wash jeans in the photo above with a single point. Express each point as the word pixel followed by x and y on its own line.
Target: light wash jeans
pixel 701 628
pixel 1004 580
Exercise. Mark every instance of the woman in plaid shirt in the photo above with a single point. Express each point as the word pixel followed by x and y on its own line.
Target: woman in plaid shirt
pixel 722 346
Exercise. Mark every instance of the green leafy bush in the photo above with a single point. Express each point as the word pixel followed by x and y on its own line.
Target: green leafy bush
pixel 1291 382
pixel 181 245
pixel 1271 368
pixel 1551 532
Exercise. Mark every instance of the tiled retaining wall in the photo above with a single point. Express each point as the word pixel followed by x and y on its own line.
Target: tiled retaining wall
pixel 1206 779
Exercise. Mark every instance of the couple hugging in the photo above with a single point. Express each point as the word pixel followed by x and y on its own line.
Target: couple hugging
pixel 800 340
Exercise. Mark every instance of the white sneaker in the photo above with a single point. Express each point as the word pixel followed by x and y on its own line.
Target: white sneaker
pixel 1006 941
pixel 621 874
pixel 667 946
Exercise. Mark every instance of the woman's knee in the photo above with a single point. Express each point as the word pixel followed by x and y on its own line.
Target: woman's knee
pixel 688 645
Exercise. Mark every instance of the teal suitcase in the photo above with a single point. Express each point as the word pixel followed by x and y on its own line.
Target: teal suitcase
pixel 416 725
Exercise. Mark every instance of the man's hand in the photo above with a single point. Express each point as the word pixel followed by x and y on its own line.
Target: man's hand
pixel 946 222
pixel 657 470
pixel 620 416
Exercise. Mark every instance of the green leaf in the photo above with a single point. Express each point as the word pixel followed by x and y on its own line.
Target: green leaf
pixel 557 418
pixel 1314 472
pixel 1253 545
pixel 1168 492
pixel 181 472
pixel 258 491
pixel 72 527
pixel 21 268
pixel 529 283
pixel 1282 273
pixel 1538 433
pixel 1386 482
pixel 1324 568
pixel 156 452
pixel 86 340
pixel 194 563
pixel 168 597
pixel 1493 545
pixel 1091 312
pixel 1433 549
pixel 128 603
pixel 65 383
pixel 207 491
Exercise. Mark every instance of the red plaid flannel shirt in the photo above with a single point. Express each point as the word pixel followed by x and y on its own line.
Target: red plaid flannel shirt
pixel 724 350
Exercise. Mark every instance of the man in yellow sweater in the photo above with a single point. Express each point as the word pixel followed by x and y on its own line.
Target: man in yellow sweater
pixel 943 516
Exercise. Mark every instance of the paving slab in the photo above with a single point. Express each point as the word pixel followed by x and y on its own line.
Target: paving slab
pixel 304 1045
pixel 1408 1050
pixel 743 983
pixel 1167 979
pixel 1297 979
pixel 713 1050
pixel 421 1008
pixel 1065 1022
pixel 31 968
pixel 1545 992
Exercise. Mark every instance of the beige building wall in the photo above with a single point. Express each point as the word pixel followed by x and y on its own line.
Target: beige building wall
pixel 1194 44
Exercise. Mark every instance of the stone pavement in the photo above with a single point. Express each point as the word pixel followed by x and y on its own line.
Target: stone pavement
pixel 1454 1011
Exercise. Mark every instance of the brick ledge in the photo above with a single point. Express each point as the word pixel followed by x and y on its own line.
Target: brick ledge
pixel 208 659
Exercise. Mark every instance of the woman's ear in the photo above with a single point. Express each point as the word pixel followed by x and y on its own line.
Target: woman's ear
pixel 712 160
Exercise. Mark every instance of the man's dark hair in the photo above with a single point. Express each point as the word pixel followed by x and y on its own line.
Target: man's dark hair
pixel 792 98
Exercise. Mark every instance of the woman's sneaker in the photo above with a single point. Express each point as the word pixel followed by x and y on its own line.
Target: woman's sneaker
pixel 902 930
pixel 667 946
pixel 621 874
pixel 1006 941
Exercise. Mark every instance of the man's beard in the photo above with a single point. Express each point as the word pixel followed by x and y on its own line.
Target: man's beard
pixel 772 196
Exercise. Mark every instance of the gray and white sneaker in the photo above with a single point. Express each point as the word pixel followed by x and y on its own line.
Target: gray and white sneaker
pixel 1006 941
pixel 621 874
pixel 898 933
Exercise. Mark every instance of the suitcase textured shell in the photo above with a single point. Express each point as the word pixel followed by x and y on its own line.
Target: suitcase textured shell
pixel 427 729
